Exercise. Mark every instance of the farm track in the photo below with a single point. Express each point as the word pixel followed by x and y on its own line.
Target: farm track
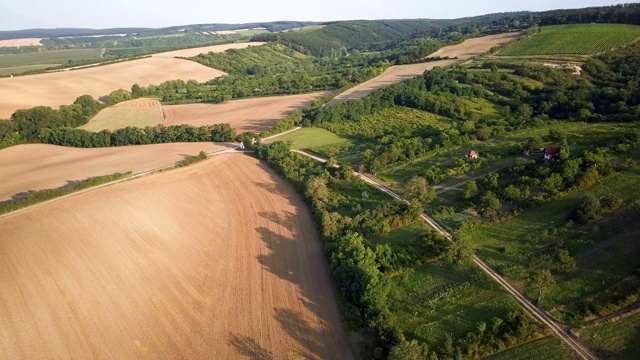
pixel 539 314
pixel 233 269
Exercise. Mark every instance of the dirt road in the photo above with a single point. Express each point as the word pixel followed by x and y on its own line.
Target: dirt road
pixel 219 260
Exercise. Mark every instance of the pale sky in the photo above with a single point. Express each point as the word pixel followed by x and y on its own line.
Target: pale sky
pixel 26 14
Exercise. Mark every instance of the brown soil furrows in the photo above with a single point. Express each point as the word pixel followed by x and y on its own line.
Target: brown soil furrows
pixel 256 114
pixel 398 73
pixel 39 166
pixel 217 260
pixel 63 87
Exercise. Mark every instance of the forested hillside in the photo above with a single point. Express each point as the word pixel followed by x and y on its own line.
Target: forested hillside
pixel 349 35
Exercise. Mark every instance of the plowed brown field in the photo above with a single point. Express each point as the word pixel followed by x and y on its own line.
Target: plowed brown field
pixel 39 166
pixel 62 88
pixel 219 260
pixel 256 114
pixel 398 73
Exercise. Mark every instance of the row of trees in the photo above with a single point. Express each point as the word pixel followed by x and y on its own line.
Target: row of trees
pixel 158 134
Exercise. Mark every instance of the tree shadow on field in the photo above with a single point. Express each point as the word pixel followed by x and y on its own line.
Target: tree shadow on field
pixel 248 347
pixel 309 336
pixel 291 260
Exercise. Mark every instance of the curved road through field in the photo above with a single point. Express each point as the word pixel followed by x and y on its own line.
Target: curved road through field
pixel 535 311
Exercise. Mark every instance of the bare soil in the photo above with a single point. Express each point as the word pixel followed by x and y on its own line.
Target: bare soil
pixel 219 260
pixel 38 166
pixel 63 87
pixel 255 114
pixel 398 73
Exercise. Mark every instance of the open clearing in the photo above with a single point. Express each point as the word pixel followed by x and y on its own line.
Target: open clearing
pixel 256 114
pixel 39 166
pixel 398 73
pixel 217 260
pixel 62 88
pixel 139 112
pixel 21 42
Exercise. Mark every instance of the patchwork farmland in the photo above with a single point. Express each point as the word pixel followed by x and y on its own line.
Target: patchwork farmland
pixel 62 88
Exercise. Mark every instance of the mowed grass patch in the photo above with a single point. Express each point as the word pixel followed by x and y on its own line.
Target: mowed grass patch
pixel 616 340
pixel 313 138
pixel 583 39
pixel 117 117
pixel 548 348
pixel 57 57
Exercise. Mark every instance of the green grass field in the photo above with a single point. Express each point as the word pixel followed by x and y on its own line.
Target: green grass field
pixel 584 39
pixel 313 139
pixel 617 340
pixel 548 348
pixel 119 117
pixel 18 62
pixel 437 299
pixel 17 70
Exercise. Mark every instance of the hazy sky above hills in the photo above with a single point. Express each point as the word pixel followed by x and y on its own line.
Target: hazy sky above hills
pixel 25 14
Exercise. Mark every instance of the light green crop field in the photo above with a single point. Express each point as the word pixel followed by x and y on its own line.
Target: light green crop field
pixel 313 138
pixel 549 348
pixel 50 57
pixel 617 340
pixel 583 39
pixel 117 117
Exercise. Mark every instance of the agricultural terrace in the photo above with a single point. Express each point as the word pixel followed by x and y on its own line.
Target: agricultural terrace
pixel 62 88
pixel 139 113
pixel 583 39
pixel 126 271
pixel 37 166
pixel 255 114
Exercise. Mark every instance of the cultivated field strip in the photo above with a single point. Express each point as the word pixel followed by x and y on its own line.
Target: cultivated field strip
pixel 218 260
pixel 256 114
pixel 38 166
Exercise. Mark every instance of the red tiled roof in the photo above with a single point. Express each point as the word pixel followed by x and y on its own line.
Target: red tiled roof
pixel 551 150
